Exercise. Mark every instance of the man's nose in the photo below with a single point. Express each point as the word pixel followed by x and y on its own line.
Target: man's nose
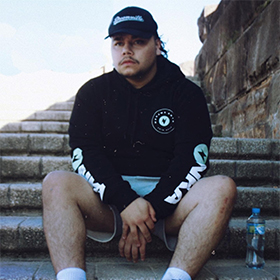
pixel 127 49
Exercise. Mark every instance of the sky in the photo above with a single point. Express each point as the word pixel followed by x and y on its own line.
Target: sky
pixel 67 36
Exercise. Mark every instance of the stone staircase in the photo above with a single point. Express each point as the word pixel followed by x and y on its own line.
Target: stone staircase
pixel 32 148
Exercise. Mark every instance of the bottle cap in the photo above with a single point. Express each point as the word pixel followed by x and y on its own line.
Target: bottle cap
pixel 256 210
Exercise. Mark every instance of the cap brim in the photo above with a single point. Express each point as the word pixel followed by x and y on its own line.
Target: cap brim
pixel 138 33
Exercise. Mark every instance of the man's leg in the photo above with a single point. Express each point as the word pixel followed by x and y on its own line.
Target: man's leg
pixel 201 219
pixel 69 207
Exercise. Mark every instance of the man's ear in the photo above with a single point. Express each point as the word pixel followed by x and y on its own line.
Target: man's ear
pixel 158 45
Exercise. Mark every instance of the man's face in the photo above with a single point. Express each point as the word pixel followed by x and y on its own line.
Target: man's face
pixel 135 58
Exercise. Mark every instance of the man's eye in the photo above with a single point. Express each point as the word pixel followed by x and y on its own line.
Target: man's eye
pixel 139 42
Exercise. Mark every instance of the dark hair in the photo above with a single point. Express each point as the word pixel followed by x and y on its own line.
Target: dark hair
pixel 164 52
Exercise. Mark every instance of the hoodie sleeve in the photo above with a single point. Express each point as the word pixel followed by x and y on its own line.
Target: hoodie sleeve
pixel 190 161
pixel 88 157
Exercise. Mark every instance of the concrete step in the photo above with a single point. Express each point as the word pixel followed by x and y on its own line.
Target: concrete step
pixel 24 234
pixel 25 199
pixel 36 127
pixel 244 172
pixel 64 116
pixel 59 116
pixel 116 268
pixel 55 120
pixel 221 148
pixel 60 127
pixel 62 106
pixel 30 144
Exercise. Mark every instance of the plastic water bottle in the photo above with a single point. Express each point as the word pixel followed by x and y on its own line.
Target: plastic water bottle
pixel 255 240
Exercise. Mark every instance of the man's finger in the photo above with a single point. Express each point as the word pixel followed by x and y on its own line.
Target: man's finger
pixel 127 251
pixel 134 235
pixel 150 224
pixel 125 231
pixel 146 233
pixel 134 252
pixel 152 213
pixel 142 251
pixel 121 247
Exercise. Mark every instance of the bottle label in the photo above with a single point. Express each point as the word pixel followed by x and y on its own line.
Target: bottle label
pixel 256 229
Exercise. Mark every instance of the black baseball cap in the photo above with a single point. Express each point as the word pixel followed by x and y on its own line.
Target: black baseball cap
pixel 135 21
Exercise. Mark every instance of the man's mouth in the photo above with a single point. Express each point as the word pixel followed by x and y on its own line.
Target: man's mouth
pixel 127 61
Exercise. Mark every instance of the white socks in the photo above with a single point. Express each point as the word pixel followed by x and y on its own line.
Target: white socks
pixel 175 273
pixel 71 273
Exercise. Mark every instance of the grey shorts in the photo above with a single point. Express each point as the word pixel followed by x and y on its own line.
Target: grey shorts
pixel 142 185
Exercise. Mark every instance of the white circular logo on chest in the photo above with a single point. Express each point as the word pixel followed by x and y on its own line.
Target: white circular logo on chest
pixel 163 121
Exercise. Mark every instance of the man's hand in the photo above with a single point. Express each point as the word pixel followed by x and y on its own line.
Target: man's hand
pixel 139 214
pixel 130 251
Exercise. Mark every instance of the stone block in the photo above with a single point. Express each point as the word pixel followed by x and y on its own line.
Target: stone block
pixel 61 106
pixel 67 148
pixel 29 126
pixel 237 62
pixel 211 108
pixel 50 116
pixel 58 127
pixel 31 235
pixel 254 170
pixel 46 272
pixel 276 173
pixel 223 148
pixel 13 143
pixel 46 143
pixel 50 164
pixel 272 229
pixel 217 130
pixel 231 21
pixel 223 249
pixel 273 118
pixel 117 271
pixel 277 242
pixel 249 113
pixel 11 127
pixel 236 72
pixel 240 272
pixel 4 195
pixel 19 270
pixel 247 117
pixel 237 266
pixel 26 195
pixel 213 118
pixel 215 81
pixel 222 167
pixel 266 198
pixel 237 237
pixel 108 248
pixel 264 52
pixel 9 234
pixel 21 167
pixel 254 148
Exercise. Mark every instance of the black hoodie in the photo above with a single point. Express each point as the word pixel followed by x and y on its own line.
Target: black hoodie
pixel 161 130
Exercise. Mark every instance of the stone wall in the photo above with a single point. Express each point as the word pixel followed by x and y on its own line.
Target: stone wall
pixel 239 66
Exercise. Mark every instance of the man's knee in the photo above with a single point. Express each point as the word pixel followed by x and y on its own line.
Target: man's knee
pixel 56 185
pixel 224 186
pixel 52 180
pixel 215 189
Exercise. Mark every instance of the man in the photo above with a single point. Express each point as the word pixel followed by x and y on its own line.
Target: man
pixel 140 137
